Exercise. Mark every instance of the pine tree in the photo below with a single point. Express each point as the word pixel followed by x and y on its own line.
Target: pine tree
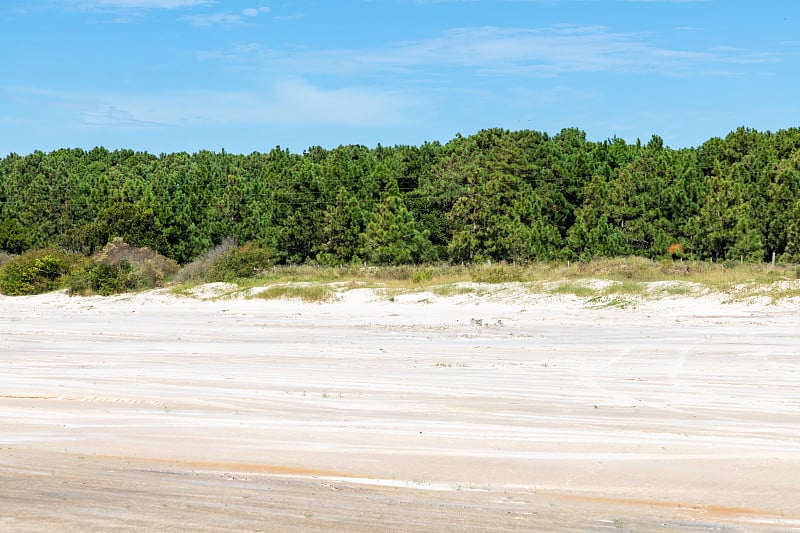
pixel 392 236
pixel 345 221
pixel 500 219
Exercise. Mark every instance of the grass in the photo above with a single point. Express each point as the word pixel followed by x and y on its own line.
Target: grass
pixel 678 289
pixel 306 293
pixel 623 278
pixel 637 277
pixel 452 290
pixel 614 302
pixel 574 288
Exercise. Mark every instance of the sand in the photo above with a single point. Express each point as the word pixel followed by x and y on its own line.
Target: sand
pixel 497 410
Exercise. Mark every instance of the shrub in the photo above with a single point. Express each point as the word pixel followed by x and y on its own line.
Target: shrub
pixel 120 268
pixel 153 268
pixel 104 279
pixel 85 239
pixel 422 275
pixel 37 271
pixel 247 261
pixel 675 250
pixel 198 269
pixel 5 257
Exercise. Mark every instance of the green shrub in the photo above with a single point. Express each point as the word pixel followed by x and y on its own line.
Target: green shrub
pixel 37 271
pixel 247 261
pixel 85 239
pixel 422 275
pixel 105 279
pixel 120 268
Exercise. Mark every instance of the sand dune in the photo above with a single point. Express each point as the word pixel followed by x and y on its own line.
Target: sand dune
pixel 500 412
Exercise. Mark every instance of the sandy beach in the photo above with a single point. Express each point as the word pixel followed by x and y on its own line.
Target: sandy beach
pixel 496 410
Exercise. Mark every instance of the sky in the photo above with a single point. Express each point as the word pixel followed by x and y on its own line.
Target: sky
pixel 185 75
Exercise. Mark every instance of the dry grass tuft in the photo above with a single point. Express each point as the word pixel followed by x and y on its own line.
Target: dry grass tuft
pixel 308 293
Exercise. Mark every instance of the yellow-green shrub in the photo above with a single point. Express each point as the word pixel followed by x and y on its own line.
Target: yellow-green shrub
pixel 37 271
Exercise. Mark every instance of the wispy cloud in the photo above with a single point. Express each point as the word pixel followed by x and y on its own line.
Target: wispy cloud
pixel 109 115
pixel 137 4
pixel 254 11
pixel 502 51
pixel 293 16
pixel 291 101
pixel 213 19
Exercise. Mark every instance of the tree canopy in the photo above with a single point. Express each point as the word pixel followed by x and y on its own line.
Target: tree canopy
pixel 496 195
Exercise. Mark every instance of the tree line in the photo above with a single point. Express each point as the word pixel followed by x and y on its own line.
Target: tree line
pixel 497 195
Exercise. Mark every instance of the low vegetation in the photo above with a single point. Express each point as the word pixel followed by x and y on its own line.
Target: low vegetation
pixel 494 207
pixel 121 268
pixel 306 293
pixel 37 271
pixel 609 282
pixel 250 269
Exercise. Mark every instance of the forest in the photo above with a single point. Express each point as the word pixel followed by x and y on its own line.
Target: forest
pixel 497 195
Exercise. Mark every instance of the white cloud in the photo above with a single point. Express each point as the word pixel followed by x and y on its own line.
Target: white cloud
pixel 212 19
pixel 505 51
pixel 139 4
pixel 294 101
pixel 254 11
pixel 291 101
pixel 109 115
pixel 285 18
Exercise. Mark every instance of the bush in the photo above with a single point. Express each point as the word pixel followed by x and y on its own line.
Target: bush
pixel 422 275
pixel 198 269
pixel 246 261
pixel 37 271
pixel 104 279
pixel 153 268
pixel 84 239
pixel 120 268
pixel 5 257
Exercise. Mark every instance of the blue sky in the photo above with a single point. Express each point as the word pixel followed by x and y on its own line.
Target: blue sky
pixel 173 75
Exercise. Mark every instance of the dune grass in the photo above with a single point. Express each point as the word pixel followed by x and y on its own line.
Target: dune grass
pixel 307 293
pixel 628 277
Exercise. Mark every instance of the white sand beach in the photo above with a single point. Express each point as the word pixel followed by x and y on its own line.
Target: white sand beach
pixel 497 410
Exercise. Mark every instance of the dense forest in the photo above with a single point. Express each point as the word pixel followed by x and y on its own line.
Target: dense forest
pixel 497 195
